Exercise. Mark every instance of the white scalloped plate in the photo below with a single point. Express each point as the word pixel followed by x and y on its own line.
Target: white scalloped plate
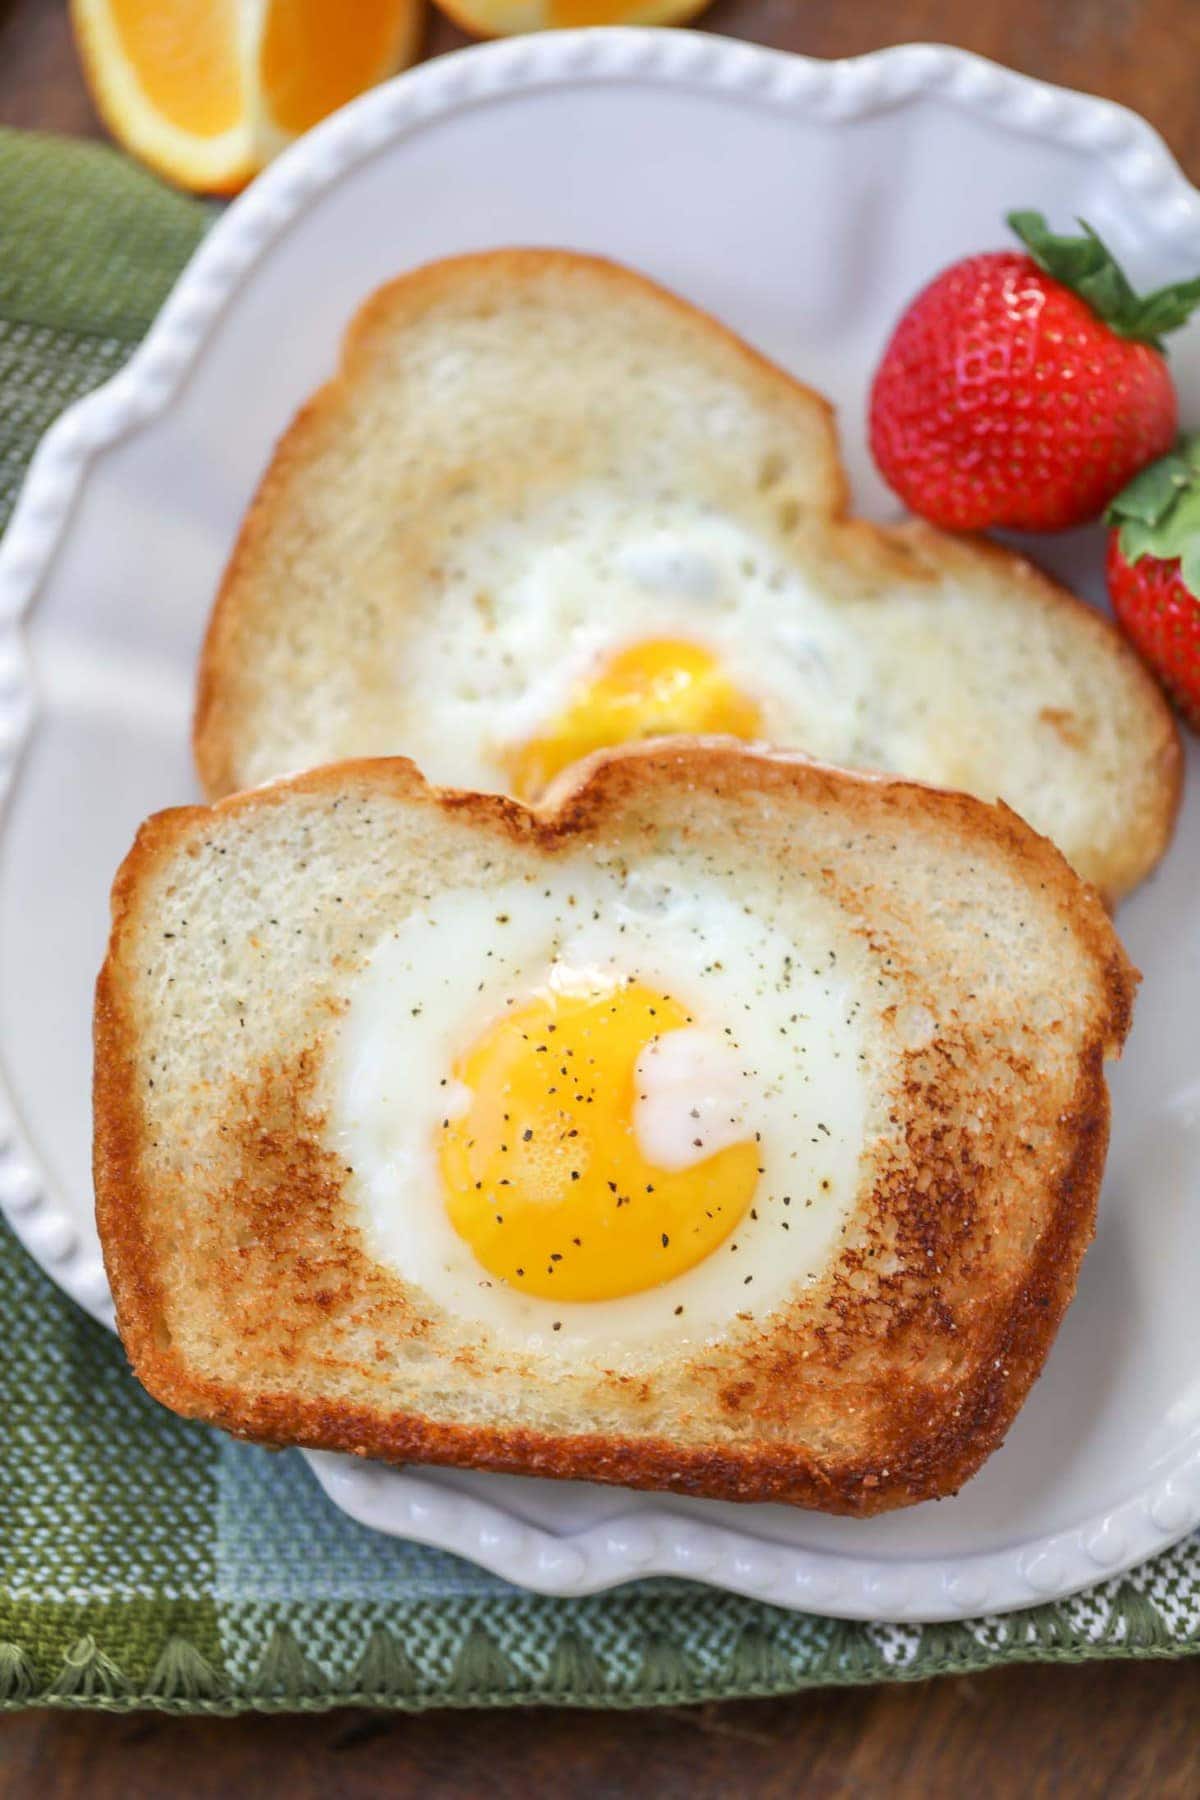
pixel 803 202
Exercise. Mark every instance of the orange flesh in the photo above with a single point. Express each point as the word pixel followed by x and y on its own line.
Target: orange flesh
pixel 186 59
pixel 315 57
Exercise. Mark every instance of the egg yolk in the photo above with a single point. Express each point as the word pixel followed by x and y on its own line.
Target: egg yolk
pixel 649 689
pixel 542 1172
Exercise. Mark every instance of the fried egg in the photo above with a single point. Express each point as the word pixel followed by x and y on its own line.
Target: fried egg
pixel 593 620
pixel 597 1108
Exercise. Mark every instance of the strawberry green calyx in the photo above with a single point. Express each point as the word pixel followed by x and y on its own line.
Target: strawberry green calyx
pixel 1158 514
pixel 1088 267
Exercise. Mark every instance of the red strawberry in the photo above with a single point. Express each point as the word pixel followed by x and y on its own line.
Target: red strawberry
pixel 1154 571
pixel 1026 390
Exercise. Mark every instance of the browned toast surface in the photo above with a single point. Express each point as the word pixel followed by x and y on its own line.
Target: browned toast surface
pixel 247 1290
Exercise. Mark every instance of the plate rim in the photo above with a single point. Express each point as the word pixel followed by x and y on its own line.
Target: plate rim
pixel 1168 207
pixel 653 1542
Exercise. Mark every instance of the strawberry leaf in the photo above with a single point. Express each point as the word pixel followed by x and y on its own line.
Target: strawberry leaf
pixel 1088 267
pixel 1158 514
pixel 1189 567
pixel 1164 310
pixel 1151 494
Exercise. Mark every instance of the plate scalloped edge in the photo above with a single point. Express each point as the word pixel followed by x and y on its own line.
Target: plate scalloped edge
pixel 659 1542
pixel 1143 168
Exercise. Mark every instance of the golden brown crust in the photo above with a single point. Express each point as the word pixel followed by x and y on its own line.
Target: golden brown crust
pixel 216 707
pixel 937 1432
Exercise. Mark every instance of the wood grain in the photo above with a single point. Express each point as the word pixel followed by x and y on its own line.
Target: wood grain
pixel 1122 1732
pixel 1117 1730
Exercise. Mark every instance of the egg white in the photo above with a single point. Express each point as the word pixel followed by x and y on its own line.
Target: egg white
pixel 775 1045
pixel 529 609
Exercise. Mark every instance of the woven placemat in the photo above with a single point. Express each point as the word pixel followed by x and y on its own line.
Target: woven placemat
pixel 148 1562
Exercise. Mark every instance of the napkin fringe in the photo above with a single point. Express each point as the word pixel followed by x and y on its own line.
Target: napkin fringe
pixel 181 1673
pixel 288 1679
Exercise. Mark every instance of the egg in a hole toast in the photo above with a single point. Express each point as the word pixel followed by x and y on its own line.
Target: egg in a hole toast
pixel 733 1125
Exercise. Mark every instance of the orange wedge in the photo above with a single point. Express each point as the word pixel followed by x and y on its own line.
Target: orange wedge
pixel 207 91
pixel 500 18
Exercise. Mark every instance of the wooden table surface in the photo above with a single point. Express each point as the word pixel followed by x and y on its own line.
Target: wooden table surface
pixel 1116 1730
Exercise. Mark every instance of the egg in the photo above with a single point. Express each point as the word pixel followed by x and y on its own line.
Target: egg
pixel 594 620
pixel 651 687
pixel 596 1108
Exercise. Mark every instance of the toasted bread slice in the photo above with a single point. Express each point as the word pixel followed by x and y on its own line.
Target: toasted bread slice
pixel 983 986
pixel 529 459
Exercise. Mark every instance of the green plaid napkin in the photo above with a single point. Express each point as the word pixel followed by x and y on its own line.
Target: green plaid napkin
pixel 147 1562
